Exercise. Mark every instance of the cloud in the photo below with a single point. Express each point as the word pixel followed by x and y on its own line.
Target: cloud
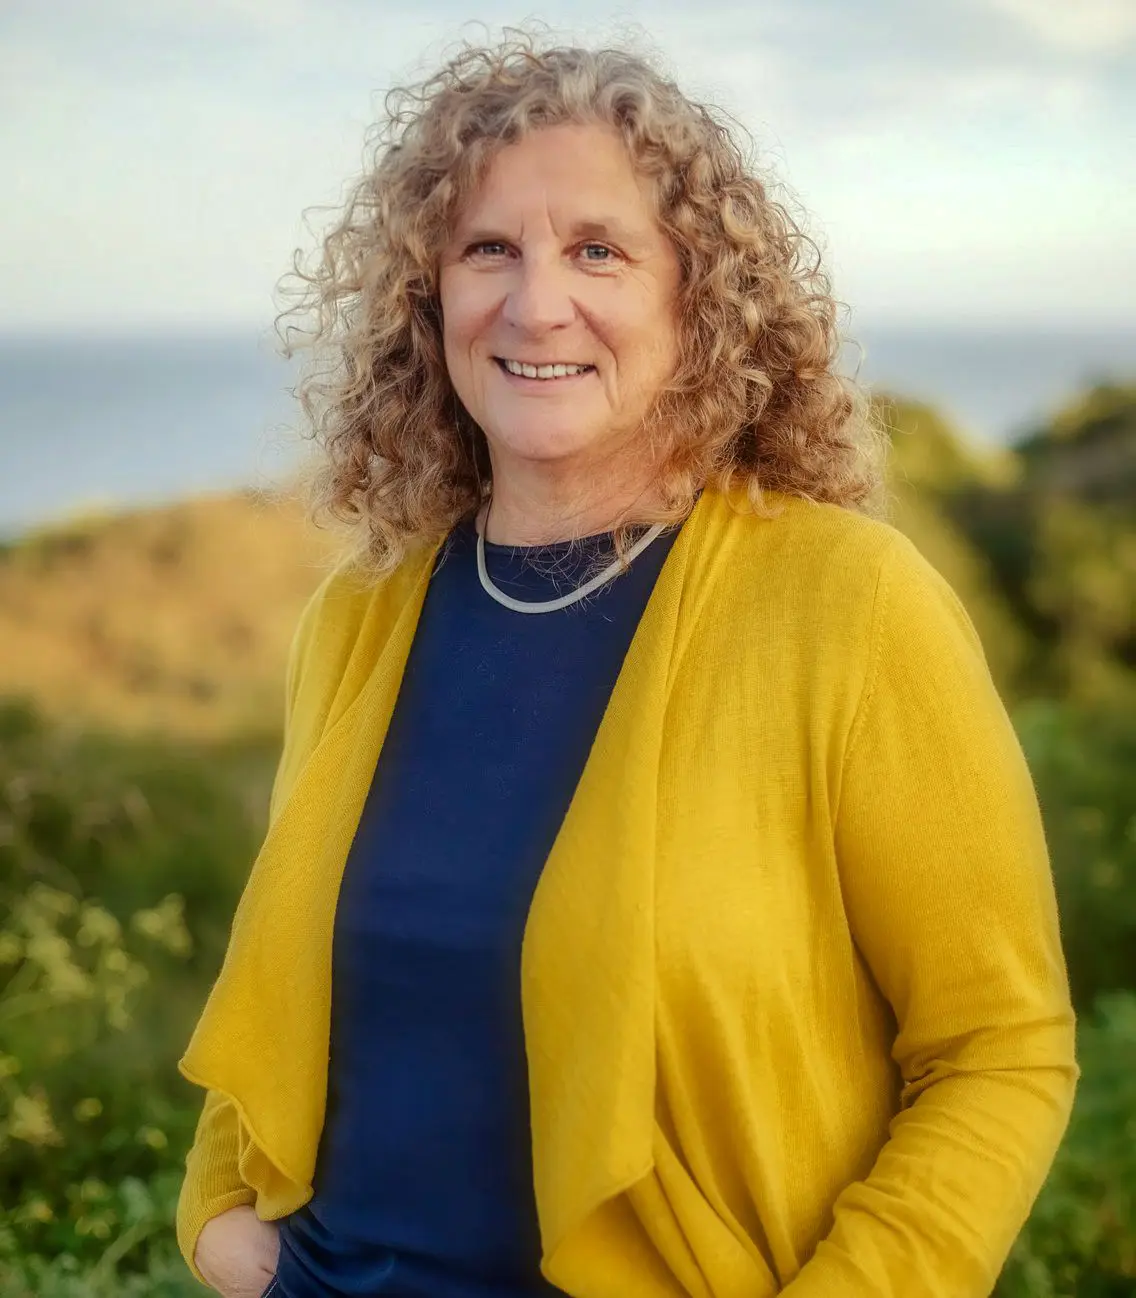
pixel 833 69
pixel 1079 27
pixel 135 15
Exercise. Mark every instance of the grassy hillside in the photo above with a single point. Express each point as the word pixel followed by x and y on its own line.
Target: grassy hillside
pixel 174 619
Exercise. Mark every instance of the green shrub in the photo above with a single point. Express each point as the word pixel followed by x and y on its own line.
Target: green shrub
pixel 1083 761
pixel 120 864
pixel 1080 1241
pixel 130 820
pixel 85 1145
pixel 166 1276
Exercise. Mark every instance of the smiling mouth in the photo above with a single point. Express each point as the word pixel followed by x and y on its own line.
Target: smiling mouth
pixel 520 370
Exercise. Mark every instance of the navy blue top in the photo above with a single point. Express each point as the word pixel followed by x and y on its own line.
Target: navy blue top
pixel 423 1183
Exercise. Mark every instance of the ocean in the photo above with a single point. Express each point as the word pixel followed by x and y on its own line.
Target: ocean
pixel 90 423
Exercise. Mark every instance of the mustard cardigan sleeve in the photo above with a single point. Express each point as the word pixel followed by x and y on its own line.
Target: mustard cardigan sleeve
pixel 212 1183
pixel 948 889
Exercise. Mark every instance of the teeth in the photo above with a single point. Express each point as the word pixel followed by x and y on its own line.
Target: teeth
pixel 544 371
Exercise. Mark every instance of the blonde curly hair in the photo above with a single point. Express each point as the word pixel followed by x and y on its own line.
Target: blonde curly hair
pixel 757 401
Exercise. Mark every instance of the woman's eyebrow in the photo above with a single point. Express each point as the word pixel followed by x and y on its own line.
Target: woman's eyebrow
pixel 607 228
pixel 482 234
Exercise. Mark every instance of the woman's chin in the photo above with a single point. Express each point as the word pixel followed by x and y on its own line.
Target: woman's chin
pixel 545 443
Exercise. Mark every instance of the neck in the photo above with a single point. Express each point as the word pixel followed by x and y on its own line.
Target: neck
pixel 532 510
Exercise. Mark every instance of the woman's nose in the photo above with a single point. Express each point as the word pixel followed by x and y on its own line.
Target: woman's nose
pixel 539 298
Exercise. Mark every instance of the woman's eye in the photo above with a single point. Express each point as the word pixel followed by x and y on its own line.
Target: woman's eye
pixel 598 254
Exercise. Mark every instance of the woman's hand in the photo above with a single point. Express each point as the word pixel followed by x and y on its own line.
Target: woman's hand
pixel 237 1253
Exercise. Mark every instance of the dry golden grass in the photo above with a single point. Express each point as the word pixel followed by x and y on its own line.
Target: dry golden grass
pixel 174 619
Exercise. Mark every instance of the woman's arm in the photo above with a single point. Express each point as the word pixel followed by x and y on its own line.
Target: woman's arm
pixel 949 893
pixel 212 1182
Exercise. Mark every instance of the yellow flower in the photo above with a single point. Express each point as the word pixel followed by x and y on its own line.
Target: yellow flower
pixel 153 1137
pixel 165 924
pixel 68 982
pixel 51 901
pixel 97 925
pixel 63 978
pixel 31 1121
pixel 36 1210
pixel 99 1227
pixel 116 962
pixel 47 949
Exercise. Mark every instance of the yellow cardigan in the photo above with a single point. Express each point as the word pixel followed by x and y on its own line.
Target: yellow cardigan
pixel 795 1006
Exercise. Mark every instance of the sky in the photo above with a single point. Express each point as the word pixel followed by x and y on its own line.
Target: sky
pixel 962 163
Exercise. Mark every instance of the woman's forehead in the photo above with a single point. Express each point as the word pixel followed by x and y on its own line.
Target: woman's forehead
pixel 582 177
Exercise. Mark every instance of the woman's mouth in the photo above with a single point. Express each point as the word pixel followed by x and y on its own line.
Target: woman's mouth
pixel 544 373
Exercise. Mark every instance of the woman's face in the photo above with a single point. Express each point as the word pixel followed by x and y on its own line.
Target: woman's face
pixel 558 260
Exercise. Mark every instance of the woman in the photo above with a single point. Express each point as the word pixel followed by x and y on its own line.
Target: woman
pixel 790 1014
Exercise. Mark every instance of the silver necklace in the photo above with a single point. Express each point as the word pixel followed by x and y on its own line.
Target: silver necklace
pixel 551 605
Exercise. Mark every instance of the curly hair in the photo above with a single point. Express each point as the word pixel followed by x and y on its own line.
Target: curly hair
pixel 757 401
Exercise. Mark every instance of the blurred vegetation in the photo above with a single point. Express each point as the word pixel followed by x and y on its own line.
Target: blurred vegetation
pixel 120 864
pixel 122 850
pixel 1051 526
pixel 174 620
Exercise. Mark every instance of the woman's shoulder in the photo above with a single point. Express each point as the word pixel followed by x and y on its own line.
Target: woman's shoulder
pixel 826 553
pixel 838 591
pixel 846 579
